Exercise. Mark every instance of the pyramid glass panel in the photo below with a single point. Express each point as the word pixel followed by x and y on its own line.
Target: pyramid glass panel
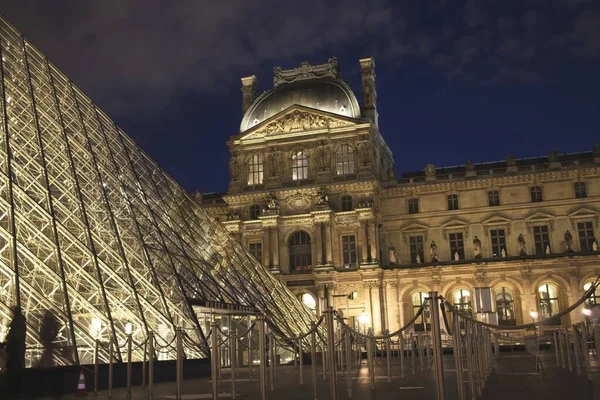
pixel 94 231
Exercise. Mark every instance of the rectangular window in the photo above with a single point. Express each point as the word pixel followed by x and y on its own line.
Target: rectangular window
pixel 586 236
pixel 416 249
pixel 498 242
pixel 453 202
pixel 536 194
pixel 457 245
pixel 256 251
pixel 541 238
pixel 349 251
pixel 580 192
pixel 413 206
pixel 255 170
pixel 493 198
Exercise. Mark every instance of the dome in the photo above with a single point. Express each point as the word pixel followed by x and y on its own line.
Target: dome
pixel 328 95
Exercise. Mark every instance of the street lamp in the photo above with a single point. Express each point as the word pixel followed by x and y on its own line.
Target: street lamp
pixel 363 319
pixel 533 314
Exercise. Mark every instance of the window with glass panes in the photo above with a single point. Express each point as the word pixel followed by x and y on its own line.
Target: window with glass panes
pixel 498 239
pixel 548 296
pixel 299 165
pixel 413 206
pixel 493 198
pixel 536 194
pixel 594 299
pixel 254 211
pixel 416 248
pixel 462 300
pixel 541 239
pixel 255 170
pixel 345 160
pixel 456 245
pixel 453 202
pixel 300 252
pixel 256 250
pixel 586 236
pixel 346 203
pixel 349 251
pixel 505 306
pixel 580 191
pixel 423 323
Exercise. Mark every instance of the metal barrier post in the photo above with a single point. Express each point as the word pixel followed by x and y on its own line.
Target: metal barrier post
pixel 150 364
pixel 144 364
pixel 568 347
pixel 429 349
pixel 262 356
pixel 561 349
pixel 313 358
pixel 129 344
pixel 420 347
pixel 576 349
pixel 214 349
pixel 412 351
pixel 458 357
pixel 300 361
pixel 179 361
pixel 324 360
pixel 401 342
pixel 111 361
pixel 370 359
pixel 388 351
pixel 273 362
pixel 250 359
pixel 331 354
pixel 233 359
pixel 96 348
pixel 555 343
pixel 436 333
pixel 496 345
pixel 348 362
pixel 469 348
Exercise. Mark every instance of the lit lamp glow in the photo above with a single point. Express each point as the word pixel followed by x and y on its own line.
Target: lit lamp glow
pixel 533 314
pixel 363 318
pixel 587 312
pixel 96 327
pixel 128 328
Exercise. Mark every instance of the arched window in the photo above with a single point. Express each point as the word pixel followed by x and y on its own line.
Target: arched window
pixel 505 306
pixel 423 323
pixel 548 293
pixel 254 211
pixel 345 160
pixel 594 299
pixel 453 202
pixel 300 252
pixel 299 165
pixel 413 206
pixel 309 301
pixel 536 194
pixel 255 170
pixel 461 299
pixel 580 191
pixel 346 203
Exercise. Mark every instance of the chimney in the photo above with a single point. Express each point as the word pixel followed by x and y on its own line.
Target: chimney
pixel 367 73
pixel 249 86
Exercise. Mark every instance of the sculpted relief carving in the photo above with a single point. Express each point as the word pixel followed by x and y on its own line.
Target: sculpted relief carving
pixel 274 161
pixel 299 121
pixel 234 166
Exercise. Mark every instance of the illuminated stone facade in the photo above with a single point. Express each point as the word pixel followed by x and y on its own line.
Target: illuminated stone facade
pixel 313 194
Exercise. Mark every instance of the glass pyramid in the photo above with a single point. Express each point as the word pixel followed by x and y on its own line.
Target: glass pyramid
pixel 92 229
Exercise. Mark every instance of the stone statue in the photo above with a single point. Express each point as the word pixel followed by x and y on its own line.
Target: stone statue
pixel 476 247
pixel 456 256
pixel 364 148
pixel 594 246
pixel 322 153
pixel 553 156
pixel 274 161
pixel 322 198
pixel 272 203
pixel 430 170
pixel 418 259
pixel 521 243
pixel 569 241
pixel 548 250
pixel 234 167
pixel 433 252
pixel 469 166
pixel 503 253
pixel 392 254
pixel 596 150
pixel 511 161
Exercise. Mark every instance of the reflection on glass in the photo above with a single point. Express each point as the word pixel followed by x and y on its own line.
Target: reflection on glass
pixel 548 293
pixel 505 306
pixel 462 300
pixel 422 323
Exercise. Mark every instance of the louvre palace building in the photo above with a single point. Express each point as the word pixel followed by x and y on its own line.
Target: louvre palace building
pixel 314 196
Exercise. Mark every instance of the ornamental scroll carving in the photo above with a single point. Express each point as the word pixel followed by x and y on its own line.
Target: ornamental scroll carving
pixel 306 71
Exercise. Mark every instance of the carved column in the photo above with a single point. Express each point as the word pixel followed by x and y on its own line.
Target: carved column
pixel 275 248
pixel 321 299
pixel 249 86
pixel 373 241
pixel 319 240
pixel 376 306
pixel 267 247
pixel 368 306
pixel 328 245
pixel 393 322
pixel 362 237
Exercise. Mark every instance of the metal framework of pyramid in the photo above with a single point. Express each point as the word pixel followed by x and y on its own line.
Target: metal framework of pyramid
pixel 92 229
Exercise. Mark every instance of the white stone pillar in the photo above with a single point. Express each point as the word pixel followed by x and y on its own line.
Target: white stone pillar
pixel 275 248
pixel 373 241
pixel 328 244
pixel 368 308
pixel 362 238
pixel 319 241
pixel 376 306
pixel 266 247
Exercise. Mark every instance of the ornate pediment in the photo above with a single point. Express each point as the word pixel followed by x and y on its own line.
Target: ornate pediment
pixel 496 222
pixel 296 119
pixel 539 218
pixel 455 225
pixel 414 229
pixel 583 214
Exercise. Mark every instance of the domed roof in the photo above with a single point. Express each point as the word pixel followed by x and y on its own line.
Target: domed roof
pixel 330 95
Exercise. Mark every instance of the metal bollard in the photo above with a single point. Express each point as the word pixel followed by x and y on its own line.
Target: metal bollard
pixel 429 350
pixel 561 349
pixel 586 351
pixel 576 349
pixel 568 347
pixel 348 363
pixel 436 334
pixel 331 354
pixel 273 361
pixel 262 356
pixel 300 361
pixel 250 359
pixel 420 347
pixel 233 359
pixel 401 344
pixel 179 361
pixel 96 348
pixel 469 348
pixel 150 364
pixel 324 360
pixel 370 360
pixel 144 365
pixel 313 358
pixel 496 345
pixel 458 357
pixel 214 359
pixel 412 352
pixel 129 344
pixel 111 361
pixel 388 351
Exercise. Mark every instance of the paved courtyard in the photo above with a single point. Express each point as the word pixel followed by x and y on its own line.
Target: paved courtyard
pixel 513 377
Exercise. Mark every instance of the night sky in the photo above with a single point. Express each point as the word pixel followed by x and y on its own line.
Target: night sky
pixel 456 80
